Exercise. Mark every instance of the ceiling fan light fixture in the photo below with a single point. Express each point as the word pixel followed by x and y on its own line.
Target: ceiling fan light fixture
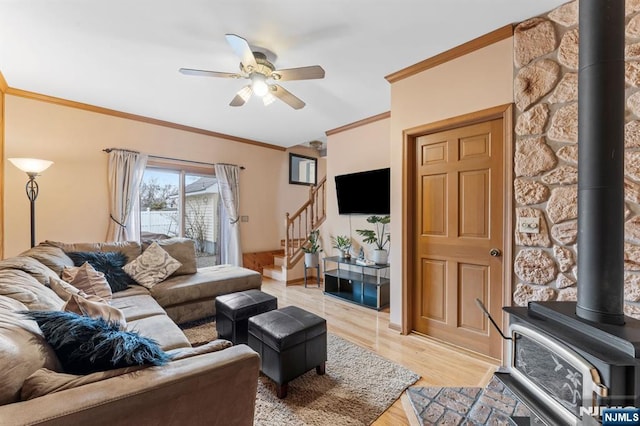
pixel 245 93
pixel 268 99
pixel 259 84
pixel 258 67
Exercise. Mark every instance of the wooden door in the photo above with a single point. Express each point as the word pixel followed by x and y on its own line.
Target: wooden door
pixel 458 221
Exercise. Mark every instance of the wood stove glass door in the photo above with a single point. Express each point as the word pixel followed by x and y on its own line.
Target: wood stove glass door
pixel 458 235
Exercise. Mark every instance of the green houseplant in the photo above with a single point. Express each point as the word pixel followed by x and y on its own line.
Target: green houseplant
pixel 342 243
pixel 378 237
pixel 311 249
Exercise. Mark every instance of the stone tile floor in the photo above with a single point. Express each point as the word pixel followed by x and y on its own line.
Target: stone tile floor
pixel 492 405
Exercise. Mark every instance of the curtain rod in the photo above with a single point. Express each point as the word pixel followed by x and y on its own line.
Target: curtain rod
pixel 157 157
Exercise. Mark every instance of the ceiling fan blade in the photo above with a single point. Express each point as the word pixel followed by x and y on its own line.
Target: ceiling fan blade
pixel 204 73
pixel 241 47
pixel 302 73
pixel 242 96
pixel 286 96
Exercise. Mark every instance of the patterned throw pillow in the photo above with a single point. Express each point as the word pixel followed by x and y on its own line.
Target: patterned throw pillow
pixel 152 266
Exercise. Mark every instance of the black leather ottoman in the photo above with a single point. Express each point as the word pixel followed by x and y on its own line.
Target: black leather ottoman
pixel 290 341
pixel 234 309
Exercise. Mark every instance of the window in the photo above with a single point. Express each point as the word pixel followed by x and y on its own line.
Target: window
pixel 181 202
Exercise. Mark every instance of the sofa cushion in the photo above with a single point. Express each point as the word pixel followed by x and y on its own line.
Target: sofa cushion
pixel 131 249
pixel 181 249
pixel 162 330
pixel 23 350
pixel 137 306
pixel 206 284
pixel 53 258
pixel 85 345
pixel 87 279
pixel 31 266
pixel 133 290
pixel 19 285
pixel 152 266
pixel 110 264
pixel 45 381
pixel 213 346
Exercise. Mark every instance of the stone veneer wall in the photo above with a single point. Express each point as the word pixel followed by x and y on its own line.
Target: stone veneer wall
pixel 546 155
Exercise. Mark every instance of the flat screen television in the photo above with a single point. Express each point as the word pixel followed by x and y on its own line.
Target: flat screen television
pixel 364 192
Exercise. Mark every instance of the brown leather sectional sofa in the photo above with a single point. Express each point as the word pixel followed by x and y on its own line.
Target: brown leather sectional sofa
pixel 211 384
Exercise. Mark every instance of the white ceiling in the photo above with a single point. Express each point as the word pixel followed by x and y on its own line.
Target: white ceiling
pixel 125 54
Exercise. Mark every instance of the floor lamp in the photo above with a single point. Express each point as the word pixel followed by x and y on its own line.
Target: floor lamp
pixel 33 167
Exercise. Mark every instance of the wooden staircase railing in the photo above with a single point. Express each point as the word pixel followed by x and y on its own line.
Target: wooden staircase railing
pixel 308 218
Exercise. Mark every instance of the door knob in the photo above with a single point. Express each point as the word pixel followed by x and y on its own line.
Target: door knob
pixel 495 252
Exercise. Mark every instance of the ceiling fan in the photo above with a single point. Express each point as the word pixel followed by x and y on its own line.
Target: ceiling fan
pixel 254 66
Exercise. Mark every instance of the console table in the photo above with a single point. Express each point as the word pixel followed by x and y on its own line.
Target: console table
pixel 364 285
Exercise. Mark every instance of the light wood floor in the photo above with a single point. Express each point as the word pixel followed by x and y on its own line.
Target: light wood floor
pixel 437 364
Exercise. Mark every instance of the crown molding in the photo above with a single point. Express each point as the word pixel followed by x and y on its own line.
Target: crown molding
pixel 461 50
pixel 100 110
pixel 359 123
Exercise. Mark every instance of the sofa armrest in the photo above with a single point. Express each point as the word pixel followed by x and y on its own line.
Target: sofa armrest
pixel 216 388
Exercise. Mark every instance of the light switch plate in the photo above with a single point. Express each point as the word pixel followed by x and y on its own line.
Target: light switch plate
pixel 530 225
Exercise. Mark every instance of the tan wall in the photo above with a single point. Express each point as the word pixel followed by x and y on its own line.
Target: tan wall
pixel 473 82
pixel 355 150
pixel 1 165
pixel 73 203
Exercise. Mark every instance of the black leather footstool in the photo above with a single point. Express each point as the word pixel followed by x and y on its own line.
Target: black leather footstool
pixel 234 309
pixel 290 341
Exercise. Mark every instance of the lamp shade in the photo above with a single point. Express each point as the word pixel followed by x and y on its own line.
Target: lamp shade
pixel 31 165
pixel 259 84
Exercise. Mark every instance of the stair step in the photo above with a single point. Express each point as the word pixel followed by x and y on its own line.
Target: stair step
pixel 278 259
pixel 274 272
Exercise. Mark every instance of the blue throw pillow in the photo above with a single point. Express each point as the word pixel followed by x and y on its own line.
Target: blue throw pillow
pixel 85 345
pixel 109 263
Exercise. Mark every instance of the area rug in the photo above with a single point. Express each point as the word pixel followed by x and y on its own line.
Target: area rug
pixel 201 331
pixel 491 406
pixel 357 388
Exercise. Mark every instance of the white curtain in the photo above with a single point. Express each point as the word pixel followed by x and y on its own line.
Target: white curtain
pixel 125 176
pixel 228 182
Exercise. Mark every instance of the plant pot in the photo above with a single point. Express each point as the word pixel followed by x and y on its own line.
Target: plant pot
pixel 380 257
pixel 344 254
pixel 311 260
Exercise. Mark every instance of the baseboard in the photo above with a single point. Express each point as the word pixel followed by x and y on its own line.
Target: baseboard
pixel 395 327
pixel 295 281
pixel 311 281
